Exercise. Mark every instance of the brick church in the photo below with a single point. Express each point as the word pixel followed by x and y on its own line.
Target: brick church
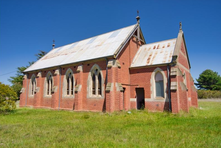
pixel 114 71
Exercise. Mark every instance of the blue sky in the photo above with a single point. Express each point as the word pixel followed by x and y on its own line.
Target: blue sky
pixel 27 26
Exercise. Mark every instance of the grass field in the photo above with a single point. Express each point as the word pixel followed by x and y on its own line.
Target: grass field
pixel 49 128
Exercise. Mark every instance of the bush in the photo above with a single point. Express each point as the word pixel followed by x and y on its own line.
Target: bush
pixel 7 98
pixel 207 94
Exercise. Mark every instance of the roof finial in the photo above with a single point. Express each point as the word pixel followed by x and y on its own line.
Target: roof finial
pixel 138 18
pixel 180 25
pixel 53 45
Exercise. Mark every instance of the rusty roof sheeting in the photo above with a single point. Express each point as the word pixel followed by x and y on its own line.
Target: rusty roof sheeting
pixel 92 48
pixel 154 53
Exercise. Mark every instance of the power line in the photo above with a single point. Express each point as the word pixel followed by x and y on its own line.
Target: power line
pixel 7 73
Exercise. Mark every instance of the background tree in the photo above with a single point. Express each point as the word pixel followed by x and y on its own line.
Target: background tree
pixel 7 98
pixel 18 79
pixel 209 80
pixel 40 54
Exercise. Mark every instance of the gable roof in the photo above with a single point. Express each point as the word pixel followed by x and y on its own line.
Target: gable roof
pixel 180 39
pixel 100 46
pixel 154 53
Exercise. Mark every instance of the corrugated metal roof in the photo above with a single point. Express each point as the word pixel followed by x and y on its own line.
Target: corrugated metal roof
pixel 154 53
pixel 92 48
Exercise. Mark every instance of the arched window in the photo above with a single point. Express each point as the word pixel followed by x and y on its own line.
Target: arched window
pixel 159 85
pixel 95 82
pixel 68 85
pixel 49 84
pixel 32 85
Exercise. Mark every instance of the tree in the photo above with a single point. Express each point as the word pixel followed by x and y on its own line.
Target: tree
pixel 7 98
pixel 18 79
pixel 41 54
pixel 209 80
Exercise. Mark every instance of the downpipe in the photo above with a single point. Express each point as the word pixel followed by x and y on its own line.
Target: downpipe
pixel 59 98
pixel 168 86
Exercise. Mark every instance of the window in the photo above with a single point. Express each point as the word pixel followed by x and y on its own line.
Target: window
pixel 68 84
pixel 49 84
pixel 69 80
pixel 32 85
pixel 95 82
pixel 159 85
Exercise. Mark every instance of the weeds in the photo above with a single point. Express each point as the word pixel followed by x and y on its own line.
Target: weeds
pixel 48 128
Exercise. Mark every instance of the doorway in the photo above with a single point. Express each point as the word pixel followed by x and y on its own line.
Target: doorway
pixel 123 100
pixel 140 98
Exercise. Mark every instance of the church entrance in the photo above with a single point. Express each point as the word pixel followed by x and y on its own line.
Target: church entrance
pixel 140 98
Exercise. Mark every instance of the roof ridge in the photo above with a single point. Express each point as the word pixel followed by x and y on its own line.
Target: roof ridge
pixel 93 37
pixel 159 41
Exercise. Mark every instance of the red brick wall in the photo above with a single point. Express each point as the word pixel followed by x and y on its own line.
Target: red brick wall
pixel 141 78
pixel 80 100
pixel 184 95
pixel 39 100
pixel 114 100
pixel 93 104
pixel 157 106
pixel 125 59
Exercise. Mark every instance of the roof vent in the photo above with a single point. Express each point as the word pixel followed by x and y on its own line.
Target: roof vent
pixel 53 45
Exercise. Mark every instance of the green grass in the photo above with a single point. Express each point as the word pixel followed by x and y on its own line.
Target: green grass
pixel 49 128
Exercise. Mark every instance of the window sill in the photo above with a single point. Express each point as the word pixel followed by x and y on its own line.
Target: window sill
pixel 159 98
pixel 48 96
pixel 68 97
pixel 95 97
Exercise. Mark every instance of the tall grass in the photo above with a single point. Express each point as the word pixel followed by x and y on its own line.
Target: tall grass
pixel 208 94
pixel 49 128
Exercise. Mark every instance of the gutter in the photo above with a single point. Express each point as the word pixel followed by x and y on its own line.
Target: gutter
pixel 67 64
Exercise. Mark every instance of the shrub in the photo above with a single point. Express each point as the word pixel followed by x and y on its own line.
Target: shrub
pixel 206 94
pixel 7 98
